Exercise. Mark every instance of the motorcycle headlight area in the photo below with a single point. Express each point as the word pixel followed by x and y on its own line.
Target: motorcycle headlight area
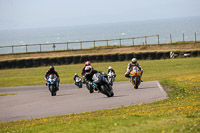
pixel 51 80
pixel 96 79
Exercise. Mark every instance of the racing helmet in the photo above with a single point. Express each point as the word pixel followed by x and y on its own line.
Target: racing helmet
pixel 134 60
pixel 51 68
pixel 75 74
pixel 109 67
pixel 88 70
pixel 87 63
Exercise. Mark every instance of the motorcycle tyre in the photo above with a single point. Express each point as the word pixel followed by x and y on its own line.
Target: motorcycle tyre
pixel 52 90
pixel 111 83
pixel 80 84
pixel 104 89
pixel 136 83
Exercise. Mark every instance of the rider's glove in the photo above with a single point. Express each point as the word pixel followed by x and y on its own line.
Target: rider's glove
pixel 45 79
pixel 89 82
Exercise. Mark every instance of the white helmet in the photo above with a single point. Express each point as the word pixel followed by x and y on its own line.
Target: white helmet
pixel 75 74
pixel 109 67
pixel 134 60
pixel 88 70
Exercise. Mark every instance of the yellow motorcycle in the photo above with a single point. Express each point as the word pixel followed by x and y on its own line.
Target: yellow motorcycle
pixel 135 77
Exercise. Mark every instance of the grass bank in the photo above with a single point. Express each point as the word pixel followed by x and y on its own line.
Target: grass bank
pixel 179 113
pixel 153 70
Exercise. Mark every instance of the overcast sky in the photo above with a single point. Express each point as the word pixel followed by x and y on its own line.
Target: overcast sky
pixel 51 13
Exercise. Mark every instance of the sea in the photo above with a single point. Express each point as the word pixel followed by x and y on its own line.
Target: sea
pixel 189 26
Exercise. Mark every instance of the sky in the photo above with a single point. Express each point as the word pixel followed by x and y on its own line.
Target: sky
pixel 19 14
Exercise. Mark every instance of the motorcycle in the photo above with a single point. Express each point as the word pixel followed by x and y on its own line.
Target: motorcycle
pixel 52 82
pixel 111 78
pixel 135 76
pixel 78 82
pixel 100 82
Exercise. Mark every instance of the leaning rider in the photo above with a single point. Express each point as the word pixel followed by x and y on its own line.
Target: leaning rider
pixel 87 63
pixel 52 71
pixel 110 69
pixel 130 68
pixel 89 72
pixel 75 76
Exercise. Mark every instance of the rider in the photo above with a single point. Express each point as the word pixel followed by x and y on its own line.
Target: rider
pixel 130 67
pixel 52 71
pixel 89 72
pixel 87 63
pixel 75 76
pixel 110 69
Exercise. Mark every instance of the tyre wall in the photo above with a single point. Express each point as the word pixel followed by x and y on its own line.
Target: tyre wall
pixel 93 58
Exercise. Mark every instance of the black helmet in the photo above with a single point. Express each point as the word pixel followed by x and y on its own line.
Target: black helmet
pixel 51 68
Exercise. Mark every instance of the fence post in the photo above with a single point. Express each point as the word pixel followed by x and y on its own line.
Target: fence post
pixel 80 45
pixel 67 45
pixel 120 40
pixel 133 41
pixel 195 37
pixel 40 47
pixel 158 39
pixel 54 47
pixel 12 49
pixel 107 43
pixel 183 37
pixel 94 44
pixel 171 38
pixel 145 40
pixel 26 49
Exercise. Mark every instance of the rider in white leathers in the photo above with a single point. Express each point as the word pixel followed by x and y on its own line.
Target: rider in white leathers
pixel 130 67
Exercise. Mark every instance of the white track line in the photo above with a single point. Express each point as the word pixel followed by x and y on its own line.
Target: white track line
pixel 161 88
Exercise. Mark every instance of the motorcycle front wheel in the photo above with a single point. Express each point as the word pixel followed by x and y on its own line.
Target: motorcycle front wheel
pixel 52 90
pixel 136 83
pixel 105 90
pixel 80 85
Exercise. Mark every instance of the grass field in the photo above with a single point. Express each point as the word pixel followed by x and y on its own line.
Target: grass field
pixel 153 70
pixel 179 113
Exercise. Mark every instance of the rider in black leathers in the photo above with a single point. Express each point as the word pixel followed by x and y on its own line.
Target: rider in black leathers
pixel 89 72
pixel 87 63
pixel 52 71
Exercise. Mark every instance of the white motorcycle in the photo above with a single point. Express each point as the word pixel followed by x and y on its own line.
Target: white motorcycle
pixel 111 77
pixel 78 82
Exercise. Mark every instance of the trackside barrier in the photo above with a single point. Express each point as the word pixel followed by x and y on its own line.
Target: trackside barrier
pixel 28 48
pixel 26 63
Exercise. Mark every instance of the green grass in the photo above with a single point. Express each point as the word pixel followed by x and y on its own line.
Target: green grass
pixel 153 70
pixel 179 113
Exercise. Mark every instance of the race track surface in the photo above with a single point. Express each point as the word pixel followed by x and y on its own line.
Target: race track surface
pixel 36 101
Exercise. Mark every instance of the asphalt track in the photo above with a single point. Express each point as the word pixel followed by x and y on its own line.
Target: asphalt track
pixel 36 101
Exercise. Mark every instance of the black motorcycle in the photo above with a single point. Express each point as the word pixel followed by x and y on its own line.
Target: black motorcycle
pixel 100 82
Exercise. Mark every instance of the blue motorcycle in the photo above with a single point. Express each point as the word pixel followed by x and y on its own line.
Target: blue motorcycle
pixel 52 82
pixel 100 82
